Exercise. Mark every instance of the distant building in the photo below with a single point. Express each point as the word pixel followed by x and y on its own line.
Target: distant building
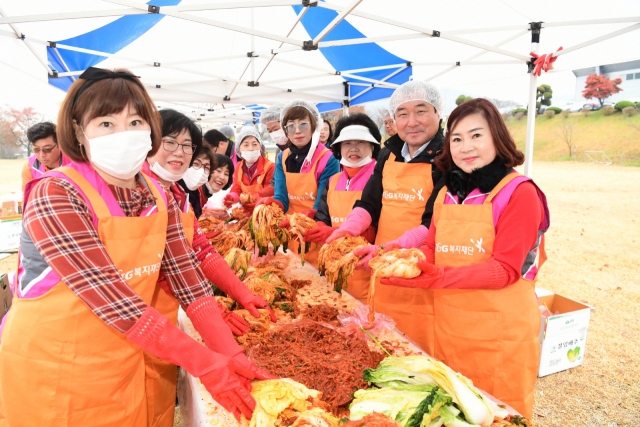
pixel 629 72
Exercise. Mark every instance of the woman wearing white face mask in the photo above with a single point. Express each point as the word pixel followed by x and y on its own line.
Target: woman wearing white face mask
pixel 253 173
pixel 356 145
pixel 196 184
pixel 97 236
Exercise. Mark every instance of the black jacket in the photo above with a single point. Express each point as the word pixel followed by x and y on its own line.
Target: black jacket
pixel 194 198
pixel 323 207
pixel 372 195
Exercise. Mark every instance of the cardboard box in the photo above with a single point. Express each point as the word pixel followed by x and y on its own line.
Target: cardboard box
pixel 563 337
pixel 10 208
pixel 5 295
pixel 10 231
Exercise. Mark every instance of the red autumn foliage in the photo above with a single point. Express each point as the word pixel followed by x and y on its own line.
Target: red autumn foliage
pixel 600 87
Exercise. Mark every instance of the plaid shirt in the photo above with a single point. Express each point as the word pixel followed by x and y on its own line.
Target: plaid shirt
pixel 60 224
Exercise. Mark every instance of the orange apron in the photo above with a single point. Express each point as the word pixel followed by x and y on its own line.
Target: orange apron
pixel 340 205
pixel 407 187
pixel 57 354
pixel 161 376
pixel 303 191
pixel 250 189
pixel 490 336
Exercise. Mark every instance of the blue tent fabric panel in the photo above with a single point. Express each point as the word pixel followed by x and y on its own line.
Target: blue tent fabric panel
pixel 353 57
pixel 110 38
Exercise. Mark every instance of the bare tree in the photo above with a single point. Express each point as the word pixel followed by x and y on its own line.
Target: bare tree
pixel 19 123
pixel 9 144
pixel 377 114
pixel 568 132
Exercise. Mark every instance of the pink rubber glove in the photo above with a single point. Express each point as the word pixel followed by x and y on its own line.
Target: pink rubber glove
pixel 225 378
pixel 368 252
pixel 230 199
pixel 268 201
pixel 217 271
pixel 356 223
pixel 319 233
pixel 413 238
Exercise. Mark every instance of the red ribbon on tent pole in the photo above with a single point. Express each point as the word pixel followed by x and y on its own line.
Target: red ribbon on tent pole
pixel 543 62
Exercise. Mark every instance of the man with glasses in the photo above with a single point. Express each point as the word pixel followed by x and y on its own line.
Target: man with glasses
pixel 46 153
pixel 390 125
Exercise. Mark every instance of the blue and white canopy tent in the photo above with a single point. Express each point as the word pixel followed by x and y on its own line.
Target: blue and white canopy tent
pixel 224 61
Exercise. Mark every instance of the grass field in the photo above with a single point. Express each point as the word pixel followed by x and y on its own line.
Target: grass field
pixel 593 257
pixel 613 134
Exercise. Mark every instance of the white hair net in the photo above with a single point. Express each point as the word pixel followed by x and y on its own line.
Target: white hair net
pixel 227 131
pixel 311 108
pixel 245 132
pixel 271 114
pixel 416 90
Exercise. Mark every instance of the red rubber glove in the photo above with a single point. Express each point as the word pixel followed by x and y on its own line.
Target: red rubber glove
pixel 431 278
pixel 217 271
pixel 368 252
pixel 319 233
pixel 230 199
pixel 248 208
pixel 212 234
pixel 285 224
pixel 268 201
pixel 207 320
pixel 225 378
pixel 237 324
pixel 369 234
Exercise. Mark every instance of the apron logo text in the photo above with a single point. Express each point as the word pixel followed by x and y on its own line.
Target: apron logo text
pixel 402 196
pixel 307 196
pixel 139 271
pixel 466 250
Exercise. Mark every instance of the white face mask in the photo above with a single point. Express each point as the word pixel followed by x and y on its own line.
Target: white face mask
pixel 279 137
pixel 195 178
pixel 121 154
pixel 365 161
pixel 250 156
pixel 164 174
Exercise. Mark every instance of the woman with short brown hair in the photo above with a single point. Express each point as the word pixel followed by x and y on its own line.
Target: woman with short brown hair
pixel 83 332
pixel 483 251
pixel 303 169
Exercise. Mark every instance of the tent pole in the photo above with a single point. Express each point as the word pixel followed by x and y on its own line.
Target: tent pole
pixel 531 125
pixel 532 110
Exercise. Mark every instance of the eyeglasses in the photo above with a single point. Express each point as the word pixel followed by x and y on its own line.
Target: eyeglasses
pixel 388 123
pixel 44 150
pixel 172 146
pixel 197 165
pixel 303 127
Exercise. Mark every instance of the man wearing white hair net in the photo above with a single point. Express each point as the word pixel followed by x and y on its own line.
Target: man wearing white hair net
pixel 389 124
pixel 271 119
pixel 399 198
